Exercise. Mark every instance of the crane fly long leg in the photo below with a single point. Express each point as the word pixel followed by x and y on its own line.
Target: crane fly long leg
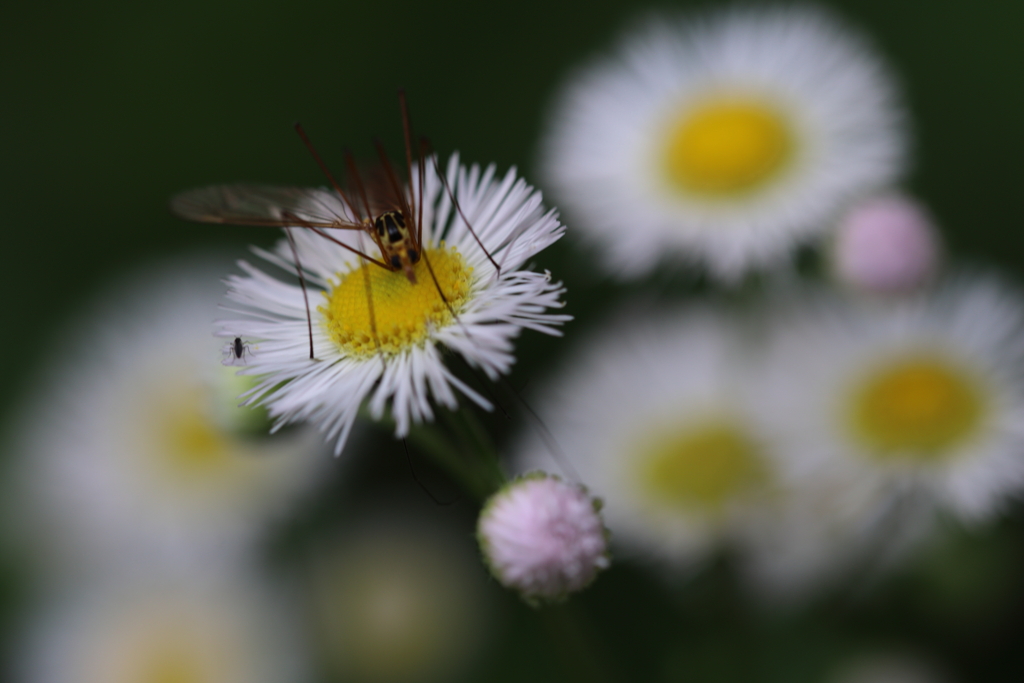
pixel 557 452
pixel 302 281
pixel 295 221
pixel 352 249
pixel 369 308
pixel 451 196
pixel 357 180
pixel 412 469
pixel 482 385
pixel 444 298
pixel 406 129
pixel 395 185
pixel 421 164
pixel 353 172
pixel 418 199
pixel 323 167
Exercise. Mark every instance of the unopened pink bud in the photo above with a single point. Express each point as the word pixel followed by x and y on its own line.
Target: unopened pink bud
pixel 543 537
pixel 886 244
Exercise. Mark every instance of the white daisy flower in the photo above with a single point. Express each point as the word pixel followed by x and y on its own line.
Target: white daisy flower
pixel 135 444
pixel 399 598
pixel 389 352
pixel 918 398
pixel 543 537
pixel 724 141
pixel 652 419
pixel 879 414
pixel 195 632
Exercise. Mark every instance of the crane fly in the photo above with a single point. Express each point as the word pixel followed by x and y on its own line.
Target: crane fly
pixel 378 206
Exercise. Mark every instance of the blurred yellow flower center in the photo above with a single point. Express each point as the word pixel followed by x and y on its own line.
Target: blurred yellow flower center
pixel 194 443
pixel 702 467
pixel 402 314
pixel 397 607
pixel 727 147
pixel 173 666
pixel 918 408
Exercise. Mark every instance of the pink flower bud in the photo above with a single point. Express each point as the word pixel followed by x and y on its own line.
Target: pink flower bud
pixel 543 537
pixel 886 244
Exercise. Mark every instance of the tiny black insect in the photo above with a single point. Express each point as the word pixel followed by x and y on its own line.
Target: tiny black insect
pixel 236 351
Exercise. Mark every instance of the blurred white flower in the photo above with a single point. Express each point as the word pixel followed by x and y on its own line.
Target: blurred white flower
pixel 543 537
pixel 812 539
pixel 652 418
pixel 210 631
pixel 885 413
pixel 391 355
pixel 398 599
pixel 134 447
pixel 886 244
pixel 725 140
pixel 923 394
pixel 889 668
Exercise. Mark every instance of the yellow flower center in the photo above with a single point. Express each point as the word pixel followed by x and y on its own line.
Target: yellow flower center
pixel 702 467
pixel 170 665
pixel 158 648
pixel 194 444
pixel 726 147
pixel 401 314
pixel 917 408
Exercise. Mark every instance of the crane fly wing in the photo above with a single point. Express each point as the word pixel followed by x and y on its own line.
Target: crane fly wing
pixel 264 205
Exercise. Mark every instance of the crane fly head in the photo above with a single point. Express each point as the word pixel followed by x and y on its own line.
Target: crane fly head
pixel 397 242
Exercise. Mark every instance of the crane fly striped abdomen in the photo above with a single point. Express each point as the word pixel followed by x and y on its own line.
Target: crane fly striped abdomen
pixel 397 242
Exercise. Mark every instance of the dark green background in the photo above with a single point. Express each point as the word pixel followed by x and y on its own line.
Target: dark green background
pixel 108 109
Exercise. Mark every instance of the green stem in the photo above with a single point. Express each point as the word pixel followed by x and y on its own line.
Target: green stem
pixel 465 452
pixel 581 660
pixel 477 441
